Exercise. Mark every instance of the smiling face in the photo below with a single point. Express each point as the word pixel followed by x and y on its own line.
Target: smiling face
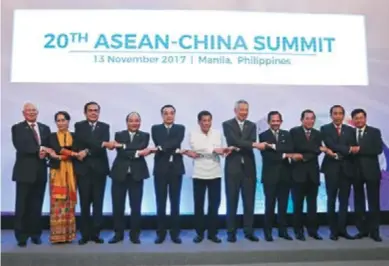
pixel 30 112
pixel 133 122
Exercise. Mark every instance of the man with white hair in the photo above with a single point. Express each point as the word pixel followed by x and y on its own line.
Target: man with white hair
pixel 128 171
pixel 30 139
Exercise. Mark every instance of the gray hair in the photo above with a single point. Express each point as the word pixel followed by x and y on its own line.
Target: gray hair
pixel 237 103
pixel 133 114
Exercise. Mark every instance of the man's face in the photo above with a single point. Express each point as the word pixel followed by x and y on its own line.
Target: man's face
pixel 337 115
pixel 359 120
pixel 242 111
pixel 133 122
pixel 30 112
pixel 308 120
pixel 168 115
pixel 275 122
pixel 92 112
pixel 205 123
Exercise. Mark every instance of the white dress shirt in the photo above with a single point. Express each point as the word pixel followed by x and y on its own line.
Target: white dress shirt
pixel 208 166
pixel 132 135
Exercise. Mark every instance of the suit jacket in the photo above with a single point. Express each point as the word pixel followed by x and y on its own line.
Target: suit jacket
pixel 366 160
pixel 126 157
pixel 97 158
pixel 28 166
pixel 168 144
pixel 275 168
pixel 331 167
pixel 310 149
pixel 54 144
pixel 242 139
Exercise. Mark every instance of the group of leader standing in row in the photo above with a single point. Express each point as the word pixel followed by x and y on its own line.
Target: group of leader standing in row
pixel 78 161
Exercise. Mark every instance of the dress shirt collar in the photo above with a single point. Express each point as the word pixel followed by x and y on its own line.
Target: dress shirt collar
pixel 204 133
pixel 337 126
pixel 362 129
pixel 31 123
pixel 239 121
pixel 306 130
pixel 168 126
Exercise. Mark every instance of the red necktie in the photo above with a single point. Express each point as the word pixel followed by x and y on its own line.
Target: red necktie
pixel 339 130
pixel 35 133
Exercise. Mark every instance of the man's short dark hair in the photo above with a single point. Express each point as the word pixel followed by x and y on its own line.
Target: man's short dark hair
pixel 202 114
pixel 90 103
pixel 305 112
pixel 337 106
pixel 271 113
pixel 357 112
pixel 168 106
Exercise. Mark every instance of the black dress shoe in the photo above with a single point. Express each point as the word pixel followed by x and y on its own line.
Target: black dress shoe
pixel 334 237
pixel 22 244
pixel 115 239
pixel 269 237
pixel 83 241
pixel 346 236
pixel 316 236
pixel 160 239
pixel 251 238
pixel 198 239
pixel 285 235
pixel 176 240
pixel 376 238
pixel 300 236
pixel 36 240
pixel 361 235
pixel 214 239
pixel 231 238
pixel 135 240
pixel 97 240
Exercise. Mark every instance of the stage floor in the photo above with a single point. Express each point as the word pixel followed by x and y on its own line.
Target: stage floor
pixel 188 253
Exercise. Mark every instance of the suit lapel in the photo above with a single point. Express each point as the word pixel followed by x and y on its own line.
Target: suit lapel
pixel 271 136
pixel 30 132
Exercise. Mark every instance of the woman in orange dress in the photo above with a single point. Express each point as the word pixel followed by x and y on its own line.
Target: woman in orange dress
pixel 63 191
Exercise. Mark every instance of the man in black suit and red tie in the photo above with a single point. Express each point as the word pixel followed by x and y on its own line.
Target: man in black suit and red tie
pixel 368 173
pixel 307 146
pixel 91 170
pixel 128 171
pixel 30 139
pixel 338 170
pixel 276 176
pixel 168 172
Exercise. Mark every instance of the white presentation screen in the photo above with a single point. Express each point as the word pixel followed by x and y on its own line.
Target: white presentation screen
pixel 160 46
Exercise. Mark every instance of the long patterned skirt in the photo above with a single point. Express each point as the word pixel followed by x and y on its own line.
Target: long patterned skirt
pixel 62 221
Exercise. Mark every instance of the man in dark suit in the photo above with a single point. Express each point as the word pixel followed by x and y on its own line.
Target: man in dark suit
pixel 307 146
pixel 337 167
pixel 276 176
pixel 240 171
pixel 128 171
pixel 168 172
pixel 30 139
pixel 368 173
pixel 91 169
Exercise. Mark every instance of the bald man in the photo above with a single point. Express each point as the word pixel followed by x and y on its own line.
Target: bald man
pixel 128 171
pixel 30 139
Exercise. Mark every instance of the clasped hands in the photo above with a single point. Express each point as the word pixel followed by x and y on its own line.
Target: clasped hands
pixel 220 151
pixel 45 151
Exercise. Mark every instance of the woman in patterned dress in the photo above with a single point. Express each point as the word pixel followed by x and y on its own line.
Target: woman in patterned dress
pixel 63 191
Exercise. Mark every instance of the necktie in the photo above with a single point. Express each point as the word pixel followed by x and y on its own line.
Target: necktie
pixel 308 134
pixel 360 135
pixel 241 126
pixel 339 130
pixel 36 137
pixel 131 137
pixel 276 135
pixel 92 127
